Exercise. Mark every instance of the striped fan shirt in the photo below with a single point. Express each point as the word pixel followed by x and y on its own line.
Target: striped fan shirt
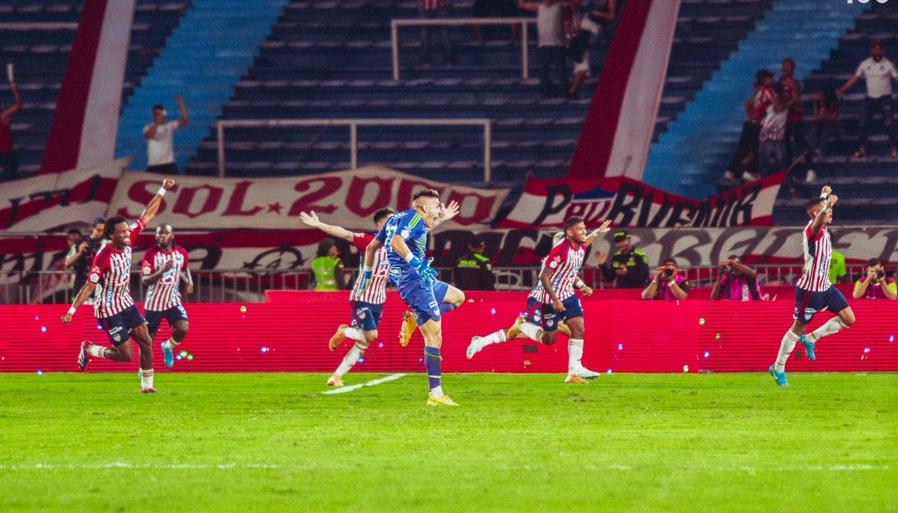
pixel 112 269
pixel 818 252
pixel 565 262
pixel 163 293
pixel 376 292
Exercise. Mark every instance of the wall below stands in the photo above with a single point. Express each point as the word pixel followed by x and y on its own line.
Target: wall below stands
pixel 622 335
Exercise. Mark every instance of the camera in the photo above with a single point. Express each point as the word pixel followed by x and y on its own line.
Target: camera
pixel 667 273
pixel 880 274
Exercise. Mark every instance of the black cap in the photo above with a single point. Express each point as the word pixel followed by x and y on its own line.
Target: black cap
pixel 621 235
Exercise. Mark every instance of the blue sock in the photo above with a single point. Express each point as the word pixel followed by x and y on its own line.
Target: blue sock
pixel 446 307
pixel 433 362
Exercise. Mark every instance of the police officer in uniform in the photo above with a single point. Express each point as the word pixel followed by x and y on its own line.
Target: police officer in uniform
pixel 629 267
pixel 473 271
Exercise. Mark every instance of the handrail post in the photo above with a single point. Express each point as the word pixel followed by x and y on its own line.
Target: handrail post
pixel 525 53
pixel 394 43
pixel 353 145
pixel 487 151
pixel 219 128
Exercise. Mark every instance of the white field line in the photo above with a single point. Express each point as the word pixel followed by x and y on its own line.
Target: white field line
pixel 373 382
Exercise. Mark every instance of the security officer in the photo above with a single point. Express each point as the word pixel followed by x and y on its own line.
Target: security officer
pixel 473 271
pixel 629 267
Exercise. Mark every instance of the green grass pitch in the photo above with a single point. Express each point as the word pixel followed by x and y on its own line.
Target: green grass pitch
pixel 625 442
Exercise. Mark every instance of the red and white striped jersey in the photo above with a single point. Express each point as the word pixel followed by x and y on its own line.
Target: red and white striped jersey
pixel 565 262
pixel 376 292
pixel 818 252
pixel 112 267
pixel 163 293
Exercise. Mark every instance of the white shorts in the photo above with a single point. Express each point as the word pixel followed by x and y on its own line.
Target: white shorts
pixel 583 64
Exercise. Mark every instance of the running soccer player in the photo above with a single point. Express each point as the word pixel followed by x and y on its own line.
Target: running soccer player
pixel 162 269
pixel 366 306
pixel 405 237
pixel 115 308
pixel 813 291
pixel 534 325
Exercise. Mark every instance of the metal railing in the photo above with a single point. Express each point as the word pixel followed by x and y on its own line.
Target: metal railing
pixel 451 22
pixel 353 125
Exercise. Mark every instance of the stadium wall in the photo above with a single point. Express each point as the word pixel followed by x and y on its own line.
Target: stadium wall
pixel 290 333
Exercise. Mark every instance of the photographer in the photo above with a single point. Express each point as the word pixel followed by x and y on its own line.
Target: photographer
pixel 667 283
pixel 875 285
pixel 81 260
pixel 735 281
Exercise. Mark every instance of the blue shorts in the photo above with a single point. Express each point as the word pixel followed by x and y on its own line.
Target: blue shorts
pixel 172 315
pixel 366 315
pixel 422 300
pixel 807 303
pixel 534 312
pixel 572 309
pixel 119 326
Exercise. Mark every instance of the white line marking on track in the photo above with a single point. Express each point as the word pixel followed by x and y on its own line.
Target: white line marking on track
pixel 373 382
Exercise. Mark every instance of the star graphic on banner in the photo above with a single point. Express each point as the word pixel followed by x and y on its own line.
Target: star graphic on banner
pixel 275 207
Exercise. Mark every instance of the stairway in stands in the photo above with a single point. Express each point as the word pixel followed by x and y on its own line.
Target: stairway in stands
pixel 37 37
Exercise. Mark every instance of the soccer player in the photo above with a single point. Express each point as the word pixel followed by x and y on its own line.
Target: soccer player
pixel 538 324
pixel 405 237
pixel 115 308
pixel 813 291
pixel 365 306
pixel 161 270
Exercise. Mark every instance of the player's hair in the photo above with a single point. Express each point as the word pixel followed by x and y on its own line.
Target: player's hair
pixel 111 223
pixel 571 221
pixel 811 204
pixel 426 193
pixel 156 107
pixel 874 262
pixel 382 213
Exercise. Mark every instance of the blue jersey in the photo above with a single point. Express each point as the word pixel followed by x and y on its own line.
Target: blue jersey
pixel 409 225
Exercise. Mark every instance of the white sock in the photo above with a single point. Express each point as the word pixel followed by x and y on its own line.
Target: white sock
pixel 786 347
pixel 354 333
pixel 96 351
pixel 171 343
pixel 351 358
pixel 532 331
pixel 830 327
pixel 146 378
pixel 437 392
pixel 494 338
pixel 574 354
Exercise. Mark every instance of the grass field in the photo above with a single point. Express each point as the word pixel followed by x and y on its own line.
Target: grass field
pixel 273 442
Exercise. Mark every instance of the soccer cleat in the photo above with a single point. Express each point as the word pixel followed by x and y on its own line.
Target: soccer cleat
pixel 515 328
pixel 573 378
pixel 83 355
pixel 474 347
pixel 335 381
pixel 779 376
pixel 585 373
pixel 409 323
pixel 337 337
pixel 808 347
pixel 168 355
pixel 149 390
pixel 433 400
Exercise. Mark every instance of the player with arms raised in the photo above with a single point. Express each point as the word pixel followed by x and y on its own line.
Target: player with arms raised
pixel 162 269
pixel 405 237
pixel 115 308
pixel 813 291
pixel 366 306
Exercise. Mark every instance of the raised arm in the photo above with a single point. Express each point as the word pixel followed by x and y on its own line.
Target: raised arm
pixel 603 228
pixel 16 106
pixel 821 216
pixel 449 211
pixel 185 116
pixel 153 206
pixel 312 220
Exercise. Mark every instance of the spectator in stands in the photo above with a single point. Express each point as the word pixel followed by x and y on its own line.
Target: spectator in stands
pixel 590 18
pixel 837 269
pixel 435 9
pixel 796 142
pixel 73 240
pixel 771 140
pixel 327 268
pixel 735 281
pixel 826 123
pixel 8 159
pixel 160 138
pixel 629 267
pixel 875 285
pixel 668 283
pixel 81 261
pixel 745 159
pixel 878 72
pixel 473 271
pixel 552 44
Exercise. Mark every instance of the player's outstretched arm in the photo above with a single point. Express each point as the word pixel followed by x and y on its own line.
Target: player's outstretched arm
pixel 311 219
pixel 820 219
pixel 604 228
pixel 449 211
pixel 153 206
pixel 83 294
